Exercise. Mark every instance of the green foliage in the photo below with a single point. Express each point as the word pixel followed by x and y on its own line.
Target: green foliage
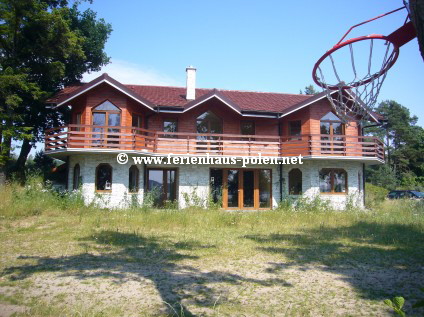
pixel 309 90
pixel 375 195
pixel 44 45
pixel 404 142
pixel 193 200
pixel 396 304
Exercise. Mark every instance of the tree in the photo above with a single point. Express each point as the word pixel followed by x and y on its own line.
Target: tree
pixel 49 44
pixel 404 141
pixel 309 90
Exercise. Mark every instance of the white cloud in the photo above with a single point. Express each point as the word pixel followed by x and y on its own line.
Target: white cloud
pixel 130 73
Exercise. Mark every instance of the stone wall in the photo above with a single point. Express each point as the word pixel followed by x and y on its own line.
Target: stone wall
pixel 193 181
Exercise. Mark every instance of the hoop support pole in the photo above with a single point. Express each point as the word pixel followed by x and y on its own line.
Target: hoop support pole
pixel 359 24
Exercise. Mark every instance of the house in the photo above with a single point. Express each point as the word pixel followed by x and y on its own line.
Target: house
pixel 108 118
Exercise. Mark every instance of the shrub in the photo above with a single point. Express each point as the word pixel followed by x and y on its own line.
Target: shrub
pixel 375 195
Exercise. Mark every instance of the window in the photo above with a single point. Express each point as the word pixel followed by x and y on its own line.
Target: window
pixel 162 185
pixel 295 182
pixel 208 122
pixel 133 179
pixel 171 126
pixel 332 181
pixel 77 177
pixel 295 130
pixel 106 116
pixel 247 127
pixel 332 126
pixel 78 121
pixel 104 178
pixel 137 122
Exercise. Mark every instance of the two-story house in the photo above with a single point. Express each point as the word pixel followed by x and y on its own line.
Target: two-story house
pixel 108 118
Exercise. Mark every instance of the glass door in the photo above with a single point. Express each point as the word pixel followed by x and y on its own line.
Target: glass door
pixel 244 189
pixel 249 189
pixel 233 188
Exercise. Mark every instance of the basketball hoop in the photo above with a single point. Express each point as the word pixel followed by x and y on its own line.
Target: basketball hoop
pixel 352 83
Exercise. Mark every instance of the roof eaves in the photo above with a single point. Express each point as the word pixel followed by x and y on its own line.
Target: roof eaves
pixel 213 94
pixel 105 78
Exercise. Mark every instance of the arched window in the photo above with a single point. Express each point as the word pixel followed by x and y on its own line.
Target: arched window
pixel 333 181
pixel 295 182
pixel 104 178
pixel 133 179
pixel 77 177
pixel 208 122
pixel 106 115
pixel 332 129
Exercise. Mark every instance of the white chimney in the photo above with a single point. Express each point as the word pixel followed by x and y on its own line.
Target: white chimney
pixel 191 83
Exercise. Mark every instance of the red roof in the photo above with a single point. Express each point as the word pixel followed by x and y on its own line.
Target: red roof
pixel 163 96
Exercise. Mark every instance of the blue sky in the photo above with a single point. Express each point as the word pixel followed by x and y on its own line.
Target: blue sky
pixel 263 45
pixel 248 45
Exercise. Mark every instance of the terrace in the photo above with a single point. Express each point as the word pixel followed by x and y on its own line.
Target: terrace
pixel 78 136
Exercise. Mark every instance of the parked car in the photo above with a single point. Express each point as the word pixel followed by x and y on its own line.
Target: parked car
pixel 412 194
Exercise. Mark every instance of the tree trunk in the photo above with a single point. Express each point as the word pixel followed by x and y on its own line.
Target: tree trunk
pixel 4 158
pixel 19 166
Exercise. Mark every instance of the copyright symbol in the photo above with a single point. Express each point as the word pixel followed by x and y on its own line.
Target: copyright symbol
pixel 122 158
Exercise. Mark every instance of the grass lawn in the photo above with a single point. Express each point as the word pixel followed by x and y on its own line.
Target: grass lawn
pixel 86 262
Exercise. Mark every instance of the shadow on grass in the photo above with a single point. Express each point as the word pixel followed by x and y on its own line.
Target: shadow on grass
pixel 130 256
pixel 378 260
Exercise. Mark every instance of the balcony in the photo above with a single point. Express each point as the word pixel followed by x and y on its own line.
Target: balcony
pixel 77 136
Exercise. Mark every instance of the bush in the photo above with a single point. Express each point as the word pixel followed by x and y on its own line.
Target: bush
pixel 374 195
pixel 37 197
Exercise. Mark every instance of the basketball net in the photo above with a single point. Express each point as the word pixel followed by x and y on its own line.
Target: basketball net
pixel 354 101
pixel 352 83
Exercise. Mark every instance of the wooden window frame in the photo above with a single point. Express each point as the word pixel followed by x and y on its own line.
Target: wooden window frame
pixel 209 122
pixel 331 136
pixel 137 179
pixel 256 190
pixel 133 114
pixel 173 136
pixel 111 179
pixel 289 130
pixel 332 192
pixel 107 112
pixel 164 181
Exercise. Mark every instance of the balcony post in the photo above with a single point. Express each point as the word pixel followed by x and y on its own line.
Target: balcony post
pixel 155 142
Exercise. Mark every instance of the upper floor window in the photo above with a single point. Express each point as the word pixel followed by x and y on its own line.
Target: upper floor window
pixel 107 106
pixel 247 127
pixel 106 116
pixel 333 129
pixel 104 177
pixel 208 122
pixel 137 122
pixel 333 181
pixel 170 126
pixel 295 129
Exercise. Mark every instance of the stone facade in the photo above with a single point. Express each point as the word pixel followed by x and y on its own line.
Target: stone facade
pixel 193 181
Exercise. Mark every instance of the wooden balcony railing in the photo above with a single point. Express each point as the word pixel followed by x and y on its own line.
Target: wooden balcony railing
pixel 129 138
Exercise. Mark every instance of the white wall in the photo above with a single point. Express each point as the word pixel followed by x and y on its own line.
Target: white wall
pixel 194 179
pixel 310 180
